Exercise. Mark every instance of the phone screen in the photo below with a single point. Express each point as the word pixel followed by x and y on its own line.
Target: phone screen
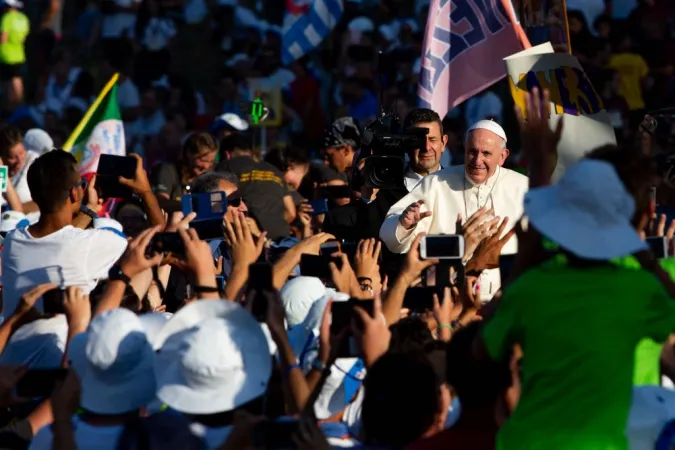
pixel 443 246
pixel 208 229
pixel 110 168
pixel 208 205
pixel 421 299
pixel 658 246
pixel 342 314
pixel 506 263
pixel 167 242
pixel 260 279
pixel 317 266
pixel 319 206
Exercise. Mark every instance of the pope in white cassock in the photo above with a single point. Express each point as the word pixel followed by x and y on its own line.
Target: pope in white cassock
pixel 433 206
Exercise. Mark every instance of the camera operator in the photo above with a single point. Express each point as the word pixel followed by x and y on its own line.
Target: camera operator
pixel 481 186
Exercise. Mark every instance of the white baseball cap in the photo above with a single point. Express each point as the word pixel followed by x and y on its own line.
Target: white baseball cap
pixel 588 212
pixel 298 295
pixel 13 3
pixel 114 361
pixel 214 357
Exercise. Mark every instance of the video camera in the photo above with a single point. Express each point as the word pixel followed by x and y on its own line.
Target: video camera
pixel 384 145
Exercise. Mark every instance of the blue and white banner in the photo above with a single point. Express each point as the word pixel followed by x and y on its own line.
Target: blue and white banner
pixel 306 24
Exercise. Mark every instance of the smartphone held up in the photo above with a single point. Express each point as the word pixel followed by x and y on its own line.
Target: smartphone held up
pixel 441 246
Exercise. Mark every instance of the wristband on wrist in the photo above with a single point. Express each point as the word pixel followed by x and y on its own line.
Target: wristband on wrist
pixel 205 289
pixel 445 325
pixel 295 365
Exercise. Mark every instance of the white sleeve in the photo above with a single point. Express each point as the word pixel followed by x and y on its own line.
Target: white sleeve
pixel 395 237
pixel 105 248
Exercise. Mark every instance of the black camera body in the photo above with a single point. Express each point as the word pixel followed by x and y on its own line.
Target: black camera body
pixel 384 145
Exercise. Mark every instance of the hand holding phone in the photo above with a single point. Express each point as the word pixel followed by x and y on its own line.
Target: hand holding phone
pixel 319 206
pixel 110 169
pixel 167 242
pixel 260 280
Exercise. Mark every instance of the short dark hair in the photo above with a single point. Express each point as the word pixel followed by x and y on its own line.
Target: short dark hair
pixel 9 137
pixel 409 334
pixel 282 157
pixel 422 115
pixel 397 384
pixel 210 181
pixel 50 179
pixel 198 144
pixel 477 382
pixel 636 171
pixel 235 141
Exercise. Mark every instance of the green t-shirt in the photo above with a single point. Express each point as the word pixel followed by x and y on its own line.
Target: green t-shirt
pixel 578 329
pixel 17 26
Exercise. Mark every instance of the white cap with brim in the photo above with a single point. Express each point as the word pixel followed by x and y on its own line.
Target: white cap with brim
pixel 214 358
pixel 588 212
pixel 115 364
pixel 489 125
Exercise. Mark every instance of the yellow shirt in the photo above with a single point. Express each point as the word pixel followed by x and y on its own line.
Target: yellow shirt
pixel 16 25
pixel 633 69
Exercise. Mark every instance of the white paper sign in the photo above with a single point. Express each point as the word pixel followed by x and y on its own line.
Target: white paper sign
pixel 587 124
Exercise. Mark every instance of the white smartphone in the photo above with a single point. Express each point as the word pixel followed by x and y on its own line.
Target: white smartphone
pixel 442 246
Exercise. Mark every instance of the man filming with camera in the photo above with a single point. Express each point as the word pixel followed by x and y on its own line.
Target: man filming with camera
pixel 481 191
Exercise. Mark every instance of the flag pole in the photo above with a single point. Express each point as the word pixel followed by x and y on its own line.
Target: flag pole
pixel 90 112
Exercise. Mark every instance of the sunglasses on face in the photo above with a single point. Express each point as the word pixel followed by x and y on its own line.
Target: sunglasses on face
pixel 234 199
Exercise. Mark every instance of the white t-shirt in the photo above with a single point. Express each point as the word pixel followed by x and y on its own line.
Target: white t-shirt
pixel 68 257
pixel 86 436
pixel 38 345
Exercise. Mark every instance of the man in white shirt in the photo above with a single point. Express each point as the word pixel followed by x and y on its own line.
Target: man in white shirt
pixel 436 202
pixel 53 250
pixel 423 161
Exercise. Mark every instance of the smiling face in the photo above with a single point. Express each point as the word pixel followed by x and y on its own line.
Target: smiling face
pixel 428 158
pixel 14 158
pixel 484 152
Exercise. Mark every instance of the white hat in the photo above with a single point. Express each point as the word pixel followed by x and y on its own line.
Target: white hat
pixel 153 323
pixel 214 359
pixel 10 220
pixel 588 212
pixel 38 140
pixel 232 120
pixel 489 125
pixel 652 408
pixel 114 361
pixel 298 295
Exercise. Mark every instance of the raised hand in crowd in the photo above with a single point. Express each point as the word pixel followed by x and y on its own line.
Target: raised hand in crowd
pixel 285 265
pixel 245 249
pixel 366 262
pixel 477 227
pixel 345 280
pixel 305 216
pixel 372 332
pixel 78 310
pixel 487 254
pixel 199 261
pixel 413 214
pixel 134 261
pixel 447 312
pixel 657 227
pixel 253 227
pixel 411 271
pixel 539 141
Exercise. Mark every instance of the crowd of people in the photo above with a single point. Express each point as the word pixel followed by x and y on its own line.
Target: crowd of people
pixel 242 295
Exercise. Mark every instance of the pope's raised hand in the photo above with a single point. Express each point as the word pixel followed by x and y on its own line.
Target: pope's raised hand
pixel 413 214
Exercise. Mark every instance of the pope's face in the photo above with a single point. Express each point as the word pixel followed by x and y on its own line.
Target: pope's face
pixel 484 152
